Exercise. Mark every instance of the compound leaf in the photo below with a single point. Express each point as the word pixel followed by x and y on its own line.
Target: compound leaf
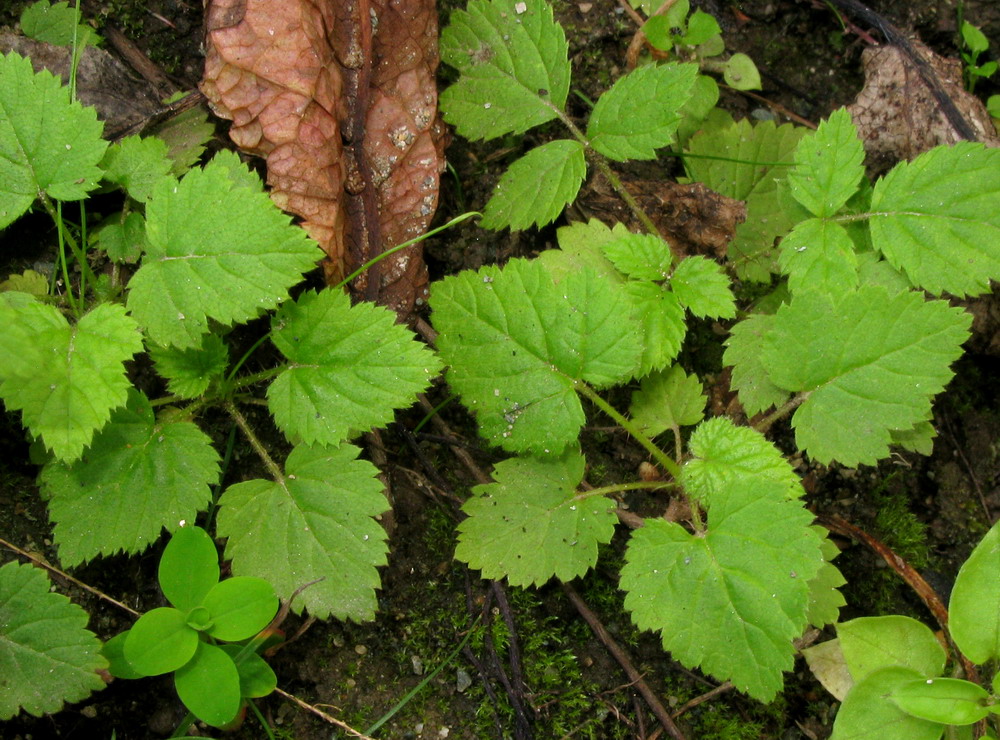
pixel 189 371
pixel 316 523
pixel 743 352
pixel 640 256
pixel 975 601
pixel 253 257
pixel 580 246
pixel 641 111
pixel 137 164
pixel 517 345
pixel 514 67
pixel 667 400
pixel 661 318
pixel 829 164
pixel 139 476
pixel 732 599
pixel 819 255
pixel 536 188
pixel 47 657
pixel 870 362
pixel 531 524
pixel 936 218
pixel 703 288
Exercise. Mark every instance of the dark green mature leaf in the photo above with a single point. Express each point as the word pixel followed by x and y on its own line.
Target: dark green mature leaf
pixel 517 344
pixel 641 111
pixel 47 657
pixel 514 67
pixel 829 165
pixel 974 610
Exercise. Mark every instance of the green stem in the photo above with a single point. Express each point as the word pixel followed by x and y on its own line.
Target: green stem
pixel 269 463
pixel 260 718
pixel 258 377
pixel 781 412
pixel 637 485
pixel 56 216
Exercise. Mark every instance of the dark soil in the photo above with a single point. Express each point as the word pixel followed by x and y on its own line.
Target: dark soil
pixel 560 680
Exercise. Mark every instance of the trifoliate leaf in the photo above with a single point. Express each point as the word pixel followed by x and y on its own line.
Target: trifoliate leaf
pixel 30 282
pixel 724 454
pixel 763 157
pixel 640 256
pixel 870 362
pixel 536 188
pixel 253 257
pixel 65 380
pixel 580 247
pixel 48 143
pixel 819 255
pixel 138 477
pixel 975 601
pixel 829 164
pixel 666 400
pixel 641 111
pixel 870 644
pixel 750 378
pixel 824 598
pixel 517 344
pixel 661 318
pixel 741 73
pixel 123 239
pixel 867 713
pixel 703 288
pixel 531 524
pixel 189 371
pixel 936 219
pixel 47 657
pixel 56 24
pixel 350 368
pixel 137 164
pixel 732 599
pixel 316 523
pixel 514 67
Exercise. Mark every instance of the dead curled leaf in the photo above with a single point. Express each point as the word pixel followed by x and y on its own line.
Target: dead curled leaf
pixel 340 98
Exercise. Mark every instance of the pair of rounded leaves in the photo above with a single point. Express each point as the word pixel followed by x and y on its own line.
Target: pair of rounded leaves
pixel 211 680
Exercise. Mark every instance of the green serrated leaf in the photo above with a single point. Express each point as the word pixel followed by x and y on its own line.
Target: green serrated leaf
pixel 47 657
pixel 56 24
pixel 641 111
pixel 919 438
pixel 513 60
pixel 871 362
pixel 189 567
pixel 189 371
pixel 517 344
pixel 317 523
pixel 48 143
pixel 350 368
pixel 661 318
pixel 824 598
pixel 750 377
pixel 123 239
pixel 531 524
pixel 829 164
pixel 640 256
pixel 867 714
pixel 974 610
pixel 65 380
pixel 138 477
pixel 580 247
pixel 667 400
pixel 936 219
pixel 870 644
pixel 254 256
pixel 30 282
pixel 702 287
pixel 137 164
pixel 732 599
pixel 741 73
pixel 819 255
pixel 186 136
pixel 536 188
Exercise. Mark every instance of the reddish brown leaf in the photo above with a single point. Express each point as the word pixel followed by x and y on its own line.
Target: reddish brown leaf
pixel 340 97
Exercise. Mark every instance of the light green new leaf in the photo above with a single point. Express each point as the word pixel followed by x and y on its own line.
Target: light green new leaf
pixel 703 288
pixel 829 164
pixel 641 111
pixel 517 344
pixel 867 713
pixel 871 362
pixel 951 701
pixel 531 524
pixel 56 24
pixel 661 318
pixel 190 370
pixel 123 239
pixel 240 607
pixel 189 567
pixel 666 400
pixel 317 523
pixel 536 188
pixel 732 600
pixel 514 67
pixel 350 368
pixel 253 257
pixel 919 438
pixel 936 219
pixel 724 454
pixel 824 598
pixel 750 377
pixel 48 143
pixel 870 644
pixel 640 256
pixel 975 601
pixel 580 246
pixel 186 136
pixel 819 255
pixel 139 476
pixel 47 657
pixel 137 164
pixel 65 379
pixel 209 685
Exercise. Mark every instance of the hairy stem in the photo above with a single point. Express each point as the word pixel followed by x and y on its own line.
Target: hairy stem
pixel 269 462
pixel 781 412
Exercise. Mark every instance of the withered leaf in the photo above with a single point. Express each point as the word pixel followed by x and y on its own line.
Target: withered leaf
pixel 340 97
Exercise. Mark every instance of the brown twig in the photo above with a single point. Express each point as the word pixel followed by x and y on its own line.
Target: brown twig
pixel 323 715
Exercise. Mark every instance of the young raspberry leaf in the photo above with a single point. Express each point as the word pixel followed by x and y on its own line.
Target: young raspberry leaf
pixel 253 257
pixel 824 598
pixel 667 400
pixel 732 599
pixel 536 188
pixel 703 288
pixel 122 239
pixel 48 143
pixel 640 256
pixel 514 67
pixel 190 371
pixel 47 657
pixel 531 524
pixel 517 345
pixel 829 165
pixel 819 255
pixel 870 361
pixel 56 24
pixel 137 165
pixel 641 111
pixel 661 318
pixel 317 523
pixel 936 219
pixel 139 476
pixel 743 352
pixel 350 368
pixel 580 246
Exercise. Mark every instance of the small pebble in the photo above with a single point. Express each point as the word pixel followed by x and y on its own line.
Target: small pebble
pixel 360 649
